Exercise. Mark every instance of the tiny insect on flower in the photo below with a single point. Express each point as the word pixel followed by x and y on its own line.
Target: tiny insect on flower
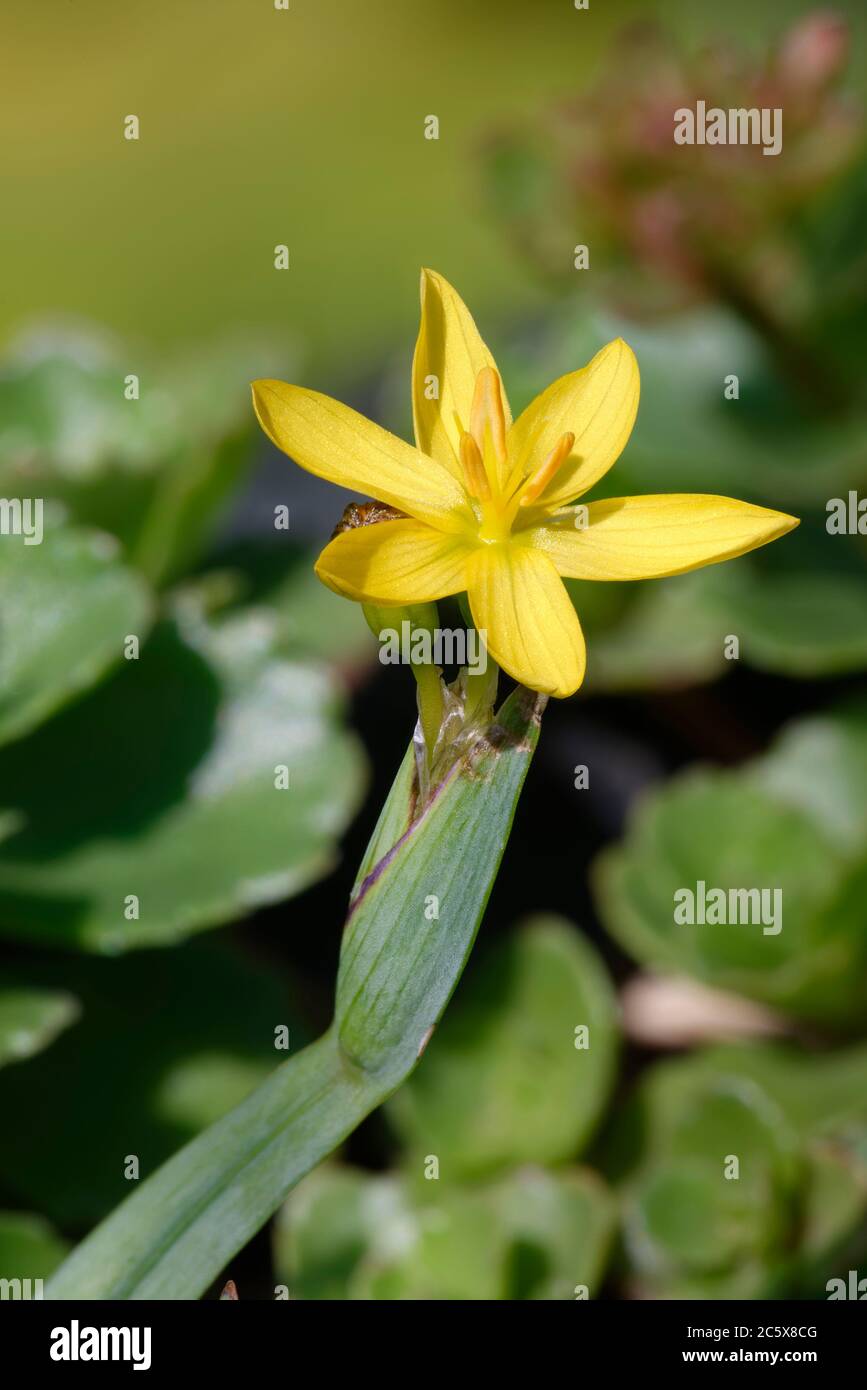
pixel 484 499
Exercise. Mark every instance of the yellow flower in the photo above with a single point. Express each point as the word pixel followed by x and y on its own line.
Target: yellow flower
pixel 484 499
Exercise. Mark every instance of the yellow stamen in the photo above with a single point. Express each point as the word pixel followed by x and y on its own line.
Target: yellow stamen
pixel 539 480
pixel 487 410
pixel 474 469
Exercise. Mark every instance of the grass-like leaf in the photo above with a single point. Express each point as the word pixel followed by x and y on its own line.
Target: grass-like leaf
pixel 399 966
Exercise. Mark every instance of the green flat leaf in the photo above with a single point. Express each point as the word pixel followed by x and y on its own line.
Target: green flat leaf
pixel 791 822
pixel 163 787
pixel 453 1248
pixel 65 608
pixel 799 1193
pixel 172 1236
pixel 345 1233
pixel 329 1223
pixel 153 471
pixel 29 1247
pixel 672 634
pixel 312 620
pixel 803 625
pixel 167 1043
pixel 692 1231
pixel 560 1226
pixel 30 1019
pixel 534 1235
pixel 476 1101
pixel 819 765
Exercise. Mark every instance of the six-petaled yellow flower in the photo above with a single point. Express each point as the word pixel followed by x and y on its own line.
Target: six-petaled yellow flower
pixel 485 499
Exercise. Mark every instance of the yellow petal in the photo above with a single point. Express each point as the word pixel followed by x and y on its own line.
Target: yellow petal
pixel 598 405
pixel 526 618
pixel 649 537
pixel 337 443
pixel 449 355
pixel 394 562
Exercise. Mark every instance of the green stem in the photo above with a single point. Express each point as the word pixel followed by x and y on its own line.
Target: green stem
pixel 429 690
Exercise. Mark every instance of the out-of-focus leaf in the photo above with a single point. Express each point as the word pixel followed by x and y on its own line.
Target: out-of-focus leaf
pixel 503 1081
pixel 687 1220
pixel 736 1178
pixel 533 1235
pixel 670 635
pixel 398 968
pixel 167 1043
pixel 688 437
pixel 455 1247
pixel 311 619
pixel 329 1223
pixel 819 765
pixel 772 826
pixel 66 606
pixel 29 1247
pixel 165 787
pixel 154 471
pixel 30 1019
pixel 560 1226
pixel 802 624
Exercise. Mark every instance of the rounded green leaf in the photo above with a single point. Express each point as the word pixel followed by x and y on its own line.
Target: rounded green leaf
pixel 329 1223
pixel 206 778
pixel 789 930
pixel 803 624
pixel 345 1233
pixel 66 606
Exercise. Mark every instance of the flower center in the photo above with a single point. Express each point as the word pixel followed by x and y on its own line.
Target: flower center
pixel 500 492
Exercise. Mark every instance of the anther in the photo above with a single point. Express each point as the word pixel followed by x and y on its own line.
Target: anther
pixel 487 410
pixel 539 480
pixel 474 469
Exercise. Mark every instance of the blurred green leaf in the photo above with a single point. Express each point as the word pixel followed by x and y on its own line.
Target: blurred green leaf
pixel 153 471
pixel 30 1019
pixel 767 827
pixel 534 1235
pixel 560 1226
pixel 819 765
pixel 454 1248
pixel 696 1226
pixel 328 1224
pixel 163 786
pixel 29 1247
pixel 312 620
pixel 670 635
pixel 503 1081
pixel 688 437
pixel 167 1043
pixel 344 1233
pixel 66 606
pixel 802 625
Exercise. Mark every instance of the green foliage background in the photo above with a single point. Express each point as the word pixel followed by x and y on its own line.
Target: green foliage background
pixel 128 1024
